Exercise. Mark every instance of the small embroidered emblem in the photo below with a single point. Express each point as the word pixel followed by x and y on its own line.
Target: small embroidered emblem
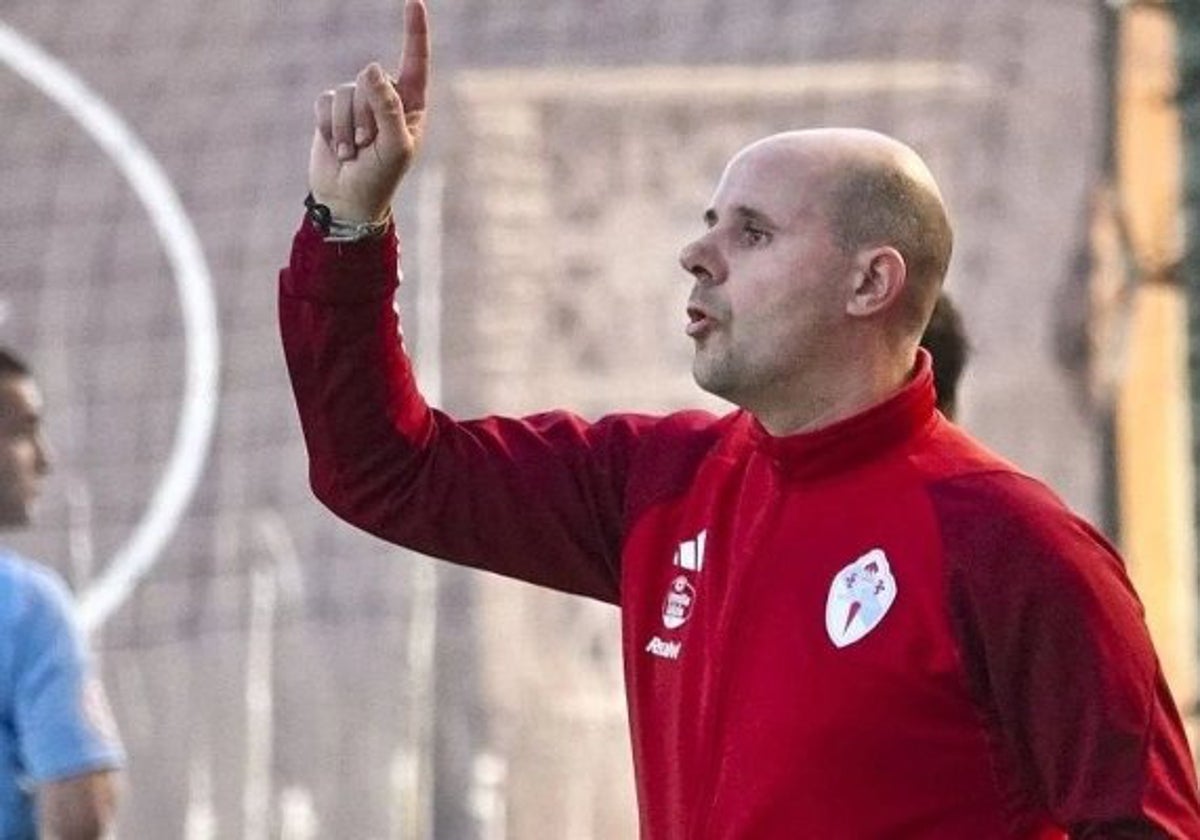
pixel 677 606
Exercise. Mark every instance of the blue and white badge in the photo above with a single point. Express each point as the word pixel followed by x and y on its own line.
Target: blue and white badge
pixel 859 598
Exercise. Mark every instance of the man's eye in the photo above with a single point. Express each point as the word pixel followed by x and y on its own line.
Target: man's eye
pixel 754 236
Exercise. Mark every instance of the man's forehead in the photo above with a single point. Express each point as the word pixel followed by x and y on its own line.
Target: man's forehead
pixel 772 182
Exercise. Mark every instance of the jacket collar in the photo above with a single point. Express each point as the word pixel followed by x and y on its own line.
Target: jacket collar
pixel 862 437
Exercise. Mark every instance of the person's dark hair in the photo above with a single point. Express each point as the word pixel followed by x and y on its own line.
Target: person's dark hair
pixel 875 203
pixel 11 364
pixel 945 338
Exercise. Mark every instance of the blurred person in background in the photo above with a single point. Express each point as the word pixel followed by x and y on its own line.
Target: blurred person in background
pixel 945 338
pixel 841 616
pixel 59 750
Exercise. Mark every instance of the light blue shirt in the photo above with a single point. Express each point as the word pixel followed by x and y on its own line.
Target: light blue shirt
pixel 54 721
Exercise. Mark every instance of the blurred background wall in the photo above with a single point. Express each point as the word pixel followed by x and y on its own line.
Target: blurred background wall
pixel 277 674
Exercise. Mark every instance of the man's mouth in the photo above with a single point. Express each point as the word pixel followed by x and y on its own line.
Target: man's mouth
pixel 699 321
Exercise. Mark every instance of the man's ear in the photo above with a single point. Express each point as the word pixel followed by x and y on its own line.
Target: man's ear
pixel 880 275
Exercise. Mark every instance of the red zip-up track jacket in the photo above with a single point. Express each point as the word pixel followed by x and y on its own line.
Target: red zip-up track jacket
pixel 875 630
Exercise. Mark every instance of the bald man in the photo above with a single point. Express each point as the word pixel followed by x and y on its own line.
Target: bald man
pixel 841 616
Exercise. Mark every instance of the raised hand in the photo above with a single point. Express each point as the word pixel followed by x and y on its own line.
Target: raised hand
pixel 369 131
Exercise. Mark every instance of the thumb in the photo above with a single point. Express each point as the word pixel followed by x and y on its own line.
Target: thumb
pixel 386 107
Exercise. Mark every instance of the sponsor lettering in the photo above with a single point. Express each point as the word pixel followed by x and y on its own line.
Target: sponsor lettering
pixel 664 649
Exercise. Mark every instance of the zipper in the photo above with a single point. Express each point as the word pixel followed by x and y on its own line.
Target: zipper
pixel 743 566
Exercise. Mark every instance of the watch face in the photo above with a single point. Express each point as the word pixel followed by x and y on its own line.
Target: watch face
pixel 319 214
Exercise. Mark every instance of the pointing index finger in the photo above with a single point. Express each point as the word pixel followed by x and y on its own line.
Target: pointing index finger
pixel 414 60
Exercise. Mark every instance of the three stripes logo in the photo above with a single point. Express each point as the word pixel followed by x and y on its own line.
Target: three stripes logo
pixel 690 554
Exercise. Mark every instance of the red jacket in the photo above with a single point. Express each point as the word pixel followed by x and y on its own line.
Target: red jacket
pixel 878 629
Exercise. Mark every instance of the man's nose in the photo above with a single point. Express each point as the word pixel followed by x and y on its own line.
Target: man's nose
pixel 698 259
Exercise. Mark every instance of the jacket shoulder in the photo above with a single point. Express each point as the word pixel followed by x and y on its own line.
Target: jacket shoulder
pixel 670 455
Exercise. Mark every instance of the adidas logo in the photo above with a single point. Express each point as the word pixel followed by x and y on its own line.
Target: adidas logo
pixel 690 554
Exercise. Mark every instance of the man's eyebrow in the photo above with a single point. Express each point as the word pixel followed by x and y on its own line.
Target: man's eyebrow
pixel 754 215
pixel 742 211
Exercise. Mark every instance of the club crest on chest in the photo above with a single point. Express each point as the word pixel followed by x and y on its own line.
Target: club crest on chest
pixel 859 597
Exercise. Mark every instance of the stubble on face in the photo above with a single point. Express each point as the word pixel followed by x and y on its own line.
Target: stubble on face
pixel 22 459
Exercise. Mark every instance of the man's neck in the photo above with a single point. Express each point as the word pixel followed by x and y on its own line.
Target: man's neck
pixel 812 405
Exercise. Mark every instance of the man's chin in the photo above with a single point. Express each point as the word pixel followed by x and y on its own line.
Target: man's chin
pixel 710 381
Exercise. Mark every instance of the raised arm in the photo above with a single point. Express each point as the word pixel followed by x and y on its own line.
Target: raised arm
pixel 539 498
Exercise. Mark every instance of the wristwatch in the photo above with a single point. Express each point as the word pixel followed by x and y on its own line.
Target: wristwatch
pixel 340 230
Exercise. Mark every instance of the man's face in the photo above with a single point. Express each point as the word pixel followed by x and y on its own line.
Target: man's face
pixel 768 294
pixel 24 459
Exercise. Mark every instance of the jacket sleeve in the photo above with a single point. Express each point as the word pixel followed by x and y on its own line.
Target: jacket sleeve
pixel 538 498
pixel 1060 660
